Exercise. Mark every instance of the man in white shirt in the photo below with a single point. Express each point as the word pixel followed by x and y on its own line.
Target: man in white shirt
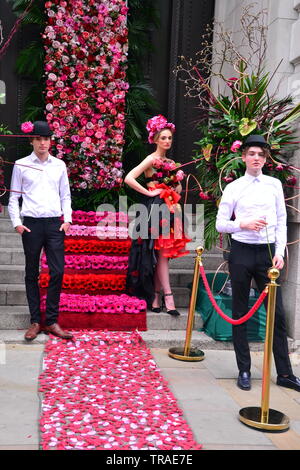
pixel 252 210
pixel 44 184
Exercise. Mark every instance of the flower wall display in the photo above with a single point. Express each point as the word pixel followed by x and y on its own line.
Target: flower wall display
pixel 85 65
pixel 104 391
pixel 93 289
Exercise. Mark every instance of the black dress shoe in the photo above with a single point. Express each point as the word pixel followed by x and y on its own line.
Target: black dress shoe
pixel 289 382
pixel 174 313
pixel 244 381
pixel 156 309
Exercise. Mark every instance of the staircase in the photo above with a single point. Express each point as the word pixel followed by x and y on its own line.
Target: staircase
pixel 163 330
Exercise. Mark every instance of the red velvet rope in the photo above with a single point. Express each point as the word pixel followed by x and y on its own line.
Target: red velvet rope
pixel 221 313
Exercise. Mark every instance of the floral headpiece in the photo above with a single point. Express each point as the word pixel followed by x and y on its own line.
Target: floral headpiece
pixel 27 127
pixel 37 128
pixel 157 124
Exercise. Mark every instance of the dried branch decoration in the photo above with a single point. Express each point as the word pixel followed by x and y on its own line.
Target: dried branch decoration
pixel 248 45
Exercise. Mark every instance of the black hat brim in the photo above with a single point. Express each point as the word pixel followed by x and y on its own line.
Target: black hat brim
pixel 255 144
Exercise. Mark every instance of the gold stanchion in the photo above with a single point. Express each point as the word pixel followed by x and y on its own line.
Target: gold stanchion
pixel 187 353
pixel 262 417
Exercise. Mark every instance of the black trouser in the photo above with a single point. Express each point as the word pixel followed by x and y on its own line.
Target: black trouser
pixel 44 234
pixel 246 262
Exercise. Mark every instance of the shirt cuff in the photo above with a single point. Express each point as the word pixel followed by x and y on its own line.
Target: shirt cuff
pixel 67 219
pixel 17 222
pixel 236 226
pixel 279 251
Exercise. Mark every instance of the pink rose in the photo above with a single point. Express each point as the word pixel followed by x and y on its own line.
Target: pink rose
pixel 27 127
pixel 236 145
pixel 180 175
pixel 292 180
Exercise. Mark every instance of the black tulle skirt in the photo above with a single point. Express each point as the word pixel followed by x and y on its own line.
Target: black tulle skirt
pixel 161 233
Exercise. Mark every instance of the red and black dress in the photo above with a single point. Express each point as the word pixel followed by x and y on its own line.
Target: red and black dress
pixel 159 228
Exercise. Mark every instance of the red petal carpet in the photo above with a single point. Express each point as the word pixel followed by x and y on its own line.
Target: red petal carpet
pixel 104 391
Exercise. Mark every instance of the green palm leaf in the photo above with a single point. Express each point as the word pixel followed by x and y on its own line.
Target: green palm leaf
pixel 28 67
pixel 290 117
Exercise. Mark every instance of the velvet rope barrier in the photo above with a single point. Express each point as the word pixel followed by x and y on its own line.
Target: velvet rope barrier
pixel 221 313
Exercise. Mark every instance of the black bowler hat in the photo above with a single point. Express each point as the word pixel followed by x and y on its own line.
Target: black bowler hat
pixel 256 141
pixel 42 129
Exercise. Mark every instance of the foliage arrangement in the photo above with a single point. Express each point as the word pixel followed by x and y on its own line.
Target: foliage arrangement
pixel 244 108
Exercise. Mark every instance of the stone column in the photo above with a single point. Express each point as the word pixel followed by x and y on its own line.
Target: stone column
pixel 291 287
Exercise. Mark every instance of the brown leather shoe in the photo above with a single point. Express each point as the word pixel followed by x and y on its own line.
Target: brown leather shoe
pixel 56 330
pixel 33 331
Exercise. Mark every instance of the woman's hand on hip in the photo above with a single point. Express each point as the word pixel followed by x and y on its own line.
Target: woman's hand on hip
pixel 155 192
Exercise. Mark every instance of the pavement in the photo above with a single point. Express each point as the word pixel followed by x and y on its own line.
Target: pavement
pixel 206 391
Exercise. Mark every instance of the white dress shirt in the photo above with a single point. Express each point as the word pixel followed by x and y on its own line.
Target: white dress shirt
pixel 253 197
pixel 46 192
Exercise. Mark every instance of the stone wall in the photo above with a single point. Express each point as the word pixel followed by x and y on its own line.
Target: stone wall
pixel 283 48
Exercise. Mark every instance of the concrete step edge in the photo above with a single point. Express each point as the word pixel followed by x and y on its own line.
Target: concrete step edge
pixel 164 339
pixel 16 249
pixel 17 286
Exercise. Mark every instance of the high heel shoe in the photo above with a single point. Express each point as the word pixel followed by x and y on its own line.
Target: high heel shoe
pixel 156 309
pixel 174 312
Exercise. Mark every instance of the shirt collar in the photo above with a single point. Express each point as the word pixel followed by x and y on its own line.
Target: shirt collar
pixel 35 158
pixel 251 178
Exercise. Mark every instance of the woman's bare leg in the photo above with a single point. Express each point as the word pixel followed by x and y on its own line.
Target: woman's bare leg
pixel 162 272
pixel 157 289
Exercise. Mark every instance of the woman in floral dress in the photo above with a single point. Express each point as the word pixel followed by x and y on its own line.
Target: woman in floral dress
pixel 148 268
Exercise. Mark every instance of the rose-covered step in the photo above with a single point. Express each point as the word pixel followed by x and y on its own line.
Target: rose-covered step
pixel 96 262
pixel 98 232
pixel 88 282
pixel 111 312
pixel 84 303
pixel 91 262
pixel 114 247
pixel 103 218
